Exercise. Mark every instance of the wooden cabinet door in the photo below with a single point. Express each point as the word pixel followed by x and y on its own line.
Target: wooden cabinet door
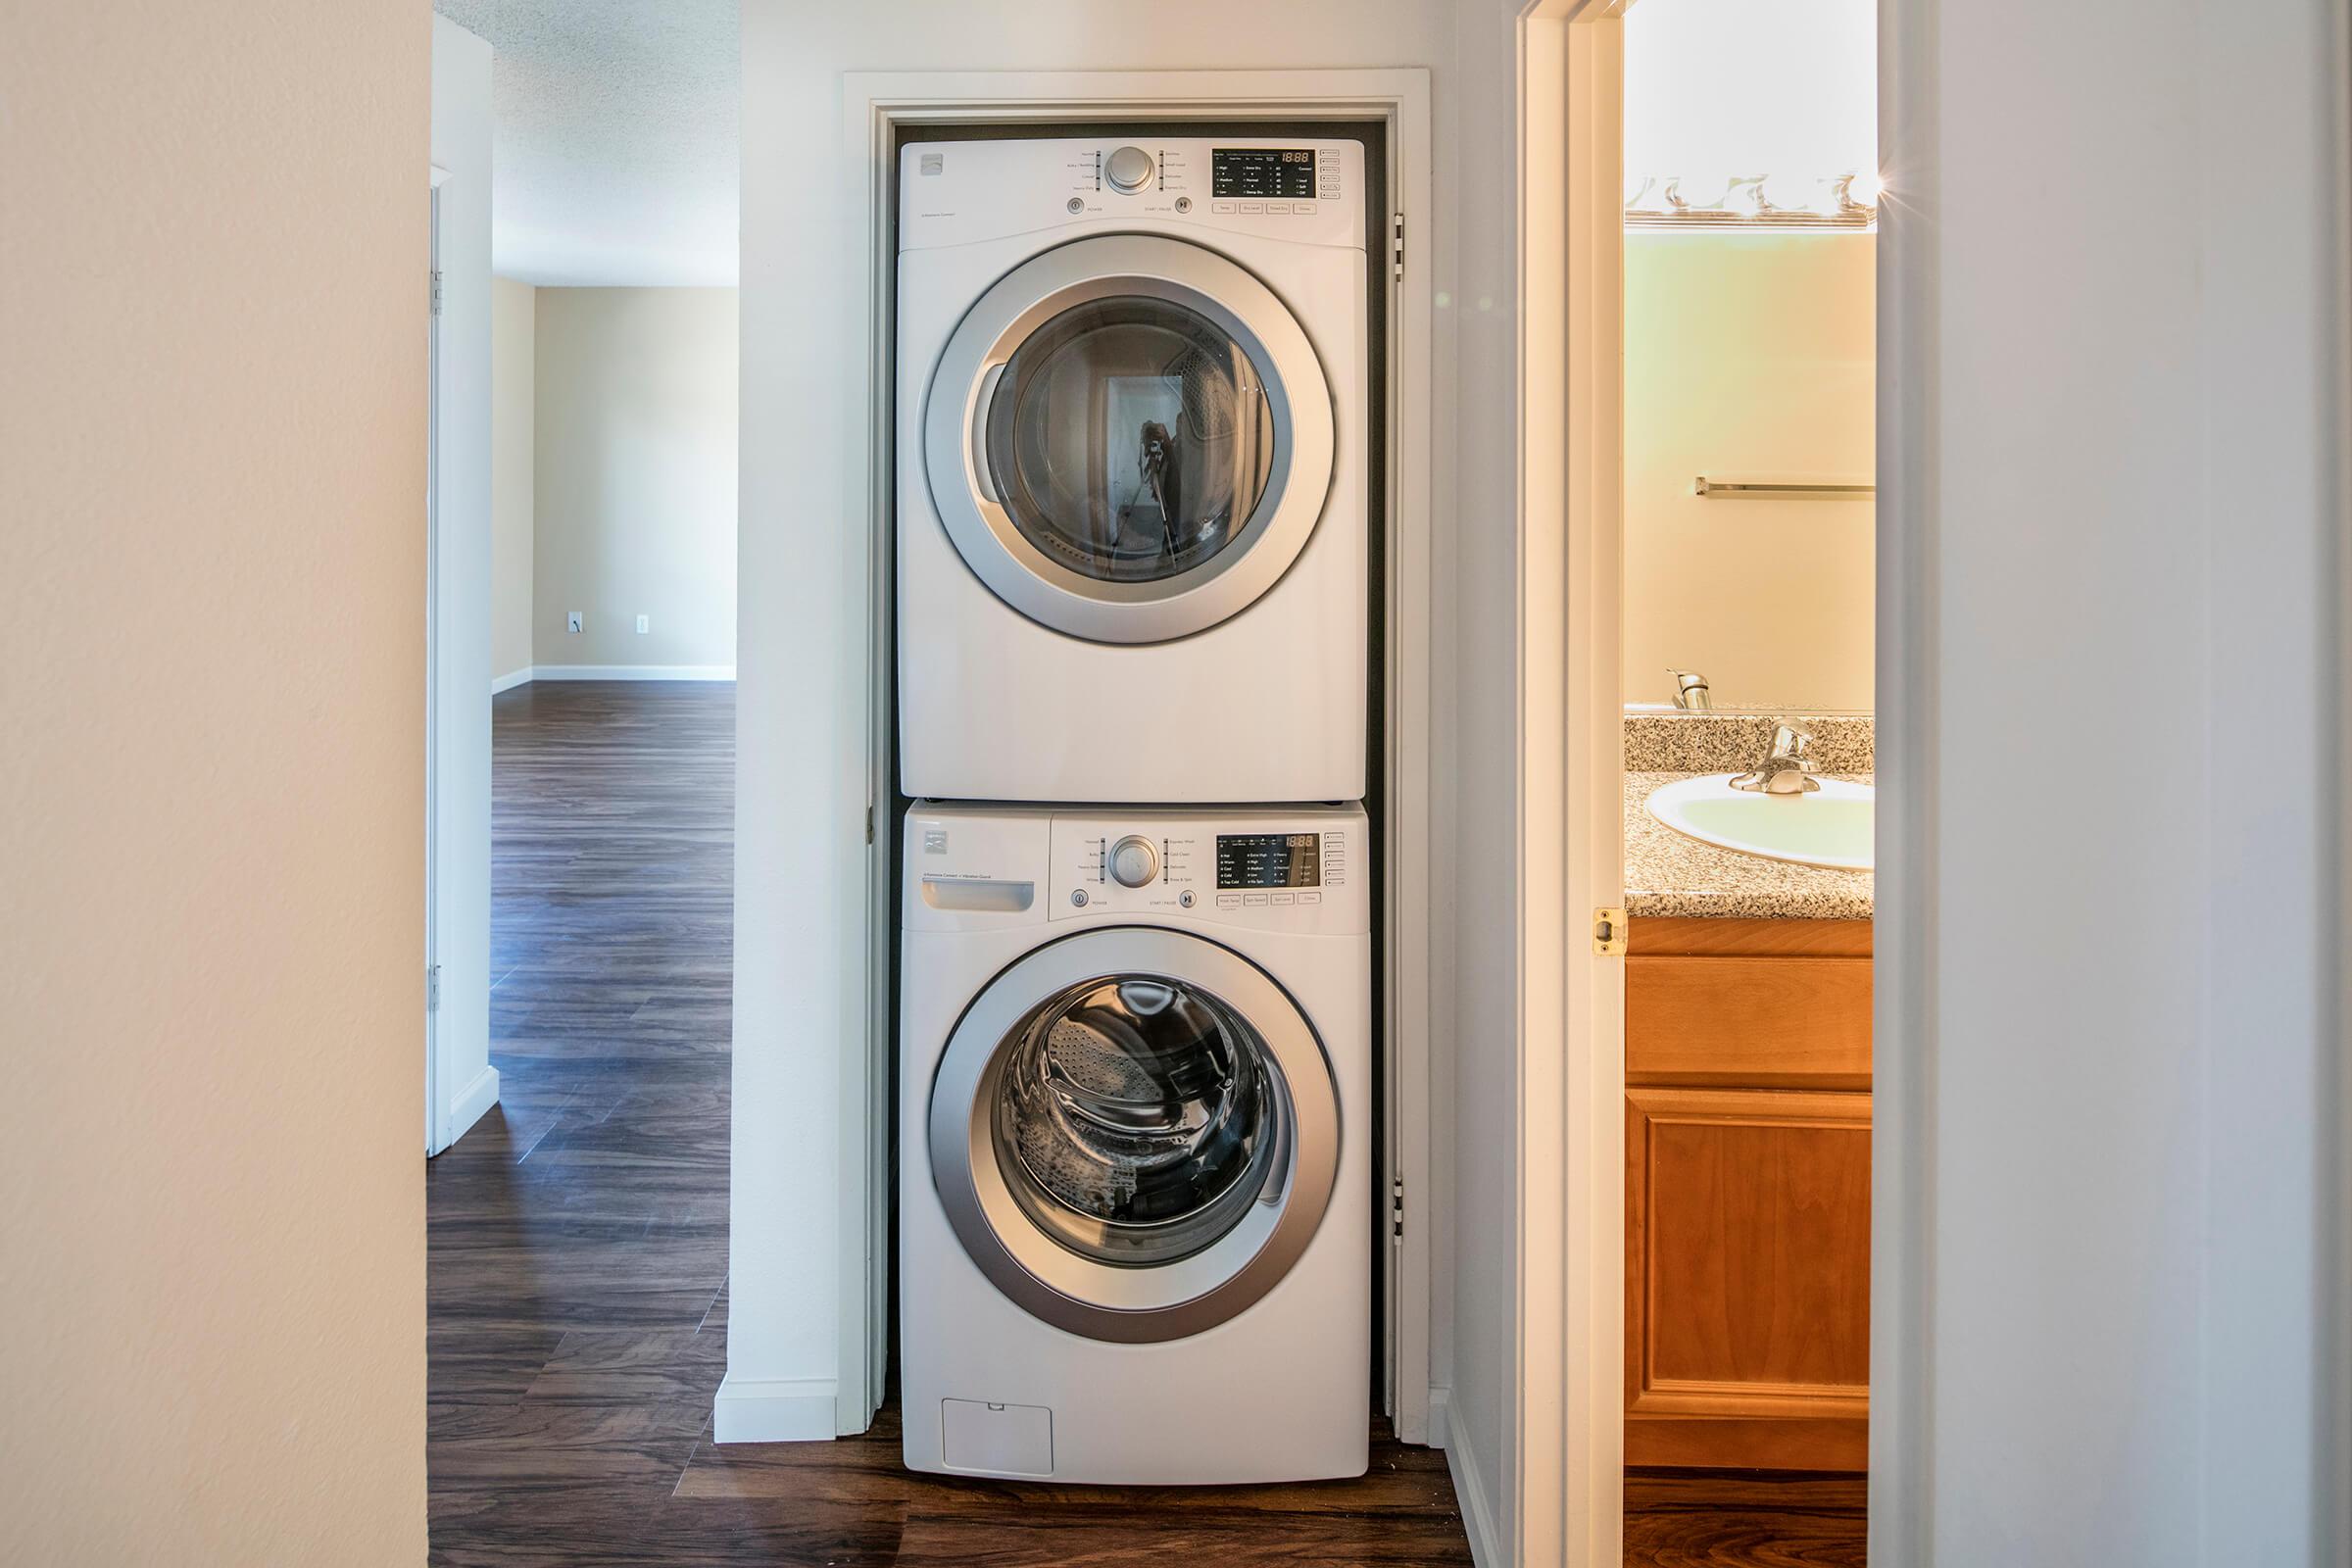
pixel 1747 1278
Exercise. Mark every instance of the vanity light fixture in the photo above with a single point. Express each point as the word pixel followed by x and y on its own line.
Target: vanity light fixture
pixel 1753 201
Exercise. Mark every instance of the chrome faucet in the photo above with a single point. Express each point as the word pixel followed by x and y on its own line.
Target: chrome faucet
pixel 1786 772
pixel 1691 691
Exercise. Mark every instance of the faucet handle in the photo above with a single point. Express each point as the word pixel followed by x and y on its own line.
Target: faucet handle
pixel 1788 743
pixel 1691 691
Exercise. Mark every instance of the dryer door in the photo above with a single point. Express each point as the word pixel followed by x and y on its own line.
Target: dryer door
pixel 1134 1133
pixel 1129 438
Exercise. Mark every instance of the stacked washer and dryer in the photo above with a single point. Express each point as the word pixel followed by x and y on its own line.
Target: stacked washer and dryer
pixel 1136 1027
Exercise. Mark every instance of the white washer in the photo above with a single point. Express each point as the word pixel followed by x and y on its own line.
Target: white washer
pixel 1131 471
pixel 1135 1116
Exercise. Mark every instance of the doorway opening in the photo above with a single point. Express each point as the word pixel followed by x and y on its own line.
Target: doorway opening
pixel 1747 509
pixel 1695 1108
pixel 582 800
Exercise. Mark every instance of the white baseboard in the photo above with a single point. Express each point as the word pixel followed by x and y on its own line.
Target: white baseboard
pixel 1440 1411
pixel 475 1103
pixel 632 672
pixel 509 680
pixel 1470 1495
pixel 774 1410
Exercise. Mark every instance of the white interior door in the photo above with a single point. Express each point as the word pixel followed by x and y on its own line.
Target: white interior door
pixel 1563 1491
pixel 463 1084
pixel 434 1135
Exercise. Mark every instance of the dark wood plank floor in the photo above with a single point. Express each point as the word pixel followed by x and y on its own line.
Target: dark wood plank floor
pixel 578 1301
pixel 1701 1519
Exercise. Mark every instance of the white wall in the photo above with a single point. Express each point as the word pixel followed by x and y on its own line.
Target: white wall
pixel 2101 1323
pixel 513 375
pixel 213 234
pixel 636 478
pixel 467 1084
pixel 802 728
pixel 1749 356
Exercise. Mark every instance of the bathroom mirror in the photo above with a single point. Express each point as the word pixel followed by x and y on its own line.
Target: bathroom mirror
pixel 1750 355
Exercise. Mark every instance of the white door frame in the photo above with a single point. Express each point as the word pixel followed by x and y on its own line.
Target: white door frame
pixel 876 106
pixel 1563 1481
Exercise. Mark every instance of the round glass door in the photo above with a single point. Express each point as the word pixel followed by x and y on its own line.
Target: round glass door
pixel 1134 1133
pixel 1131 439
pixel 1137 1119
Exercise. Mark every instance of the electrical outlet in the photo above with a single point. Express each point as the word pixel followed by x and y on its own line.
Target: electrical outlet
pixel 645 624
pixel 572 621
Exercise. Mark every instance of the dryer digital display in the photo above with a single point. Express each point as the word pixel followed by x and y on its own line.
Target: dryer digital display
pixel 1284 172
pixel 1269 861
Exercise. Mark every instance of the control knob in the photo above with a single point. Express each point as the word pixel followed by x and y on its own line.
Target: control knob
pixel 1134 861
pixel 1128 170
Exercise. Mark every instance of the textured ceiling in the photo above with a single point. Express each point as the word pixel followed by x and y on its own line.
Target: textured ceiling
pixel 618 146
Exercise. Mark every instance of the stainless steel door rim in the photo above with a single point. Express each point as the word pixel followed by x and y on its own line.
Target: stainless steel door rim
pixel 970 500
pixel 1125 1304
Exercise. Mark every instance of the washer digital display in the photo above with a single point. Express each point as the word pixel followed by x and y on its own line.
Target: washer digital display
pixel 1269 860
pixel 1284 172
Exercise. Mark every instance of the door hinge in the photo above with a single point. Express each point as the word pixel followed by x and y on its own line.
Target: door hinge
pixel 432 988
pixel 1396 1206
pixel 869 824
pixel 1608 932
pixel 436 291
pixel 1396 245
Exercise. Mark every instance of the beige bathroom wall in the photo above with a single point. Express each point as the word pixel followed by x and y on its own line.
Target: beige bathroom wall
pixel 513 375
pixel 635 503
pixel 1749 356
pixel 214 235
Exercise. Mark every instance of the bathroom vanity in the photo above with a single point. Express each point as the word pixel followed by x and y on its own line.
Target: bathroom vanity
pixel 1747 1193
pixel 1747 1078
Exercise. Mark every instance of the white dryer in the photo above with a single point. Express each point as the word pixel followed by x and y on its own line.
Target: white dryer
pixel 1131 489
pixel 1135 1125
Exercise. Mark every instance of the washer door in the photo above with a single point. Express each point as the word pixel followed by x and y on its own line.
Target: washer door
pixel 1129 438
pixel 1134 1133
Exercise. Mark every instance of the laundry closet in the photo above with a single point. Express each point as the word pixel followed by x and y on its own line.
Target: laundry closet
pixel 1138 533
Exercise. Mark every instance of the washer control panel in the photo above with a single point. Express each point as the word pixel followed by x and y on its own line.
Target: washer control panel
pixel 1292 870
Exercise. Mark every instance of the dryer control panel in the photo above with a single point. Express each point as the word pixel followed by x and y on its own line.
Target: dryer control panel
pixel 1297 188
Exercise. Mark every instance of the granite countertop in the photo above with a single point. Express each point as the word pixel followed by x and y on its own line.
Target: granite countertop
pixel 1669 874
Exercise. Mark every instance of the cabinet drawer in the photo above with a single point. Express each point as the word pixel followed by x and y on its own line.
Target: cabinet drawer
pixel 1766 1023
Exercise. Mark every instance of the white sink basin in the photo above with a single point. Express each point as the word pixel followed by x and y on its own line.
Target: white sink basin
pixel 1829 827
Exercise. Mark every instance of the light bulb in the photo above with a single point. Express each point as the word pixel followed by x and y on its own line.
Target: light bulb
pixel 1866 189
